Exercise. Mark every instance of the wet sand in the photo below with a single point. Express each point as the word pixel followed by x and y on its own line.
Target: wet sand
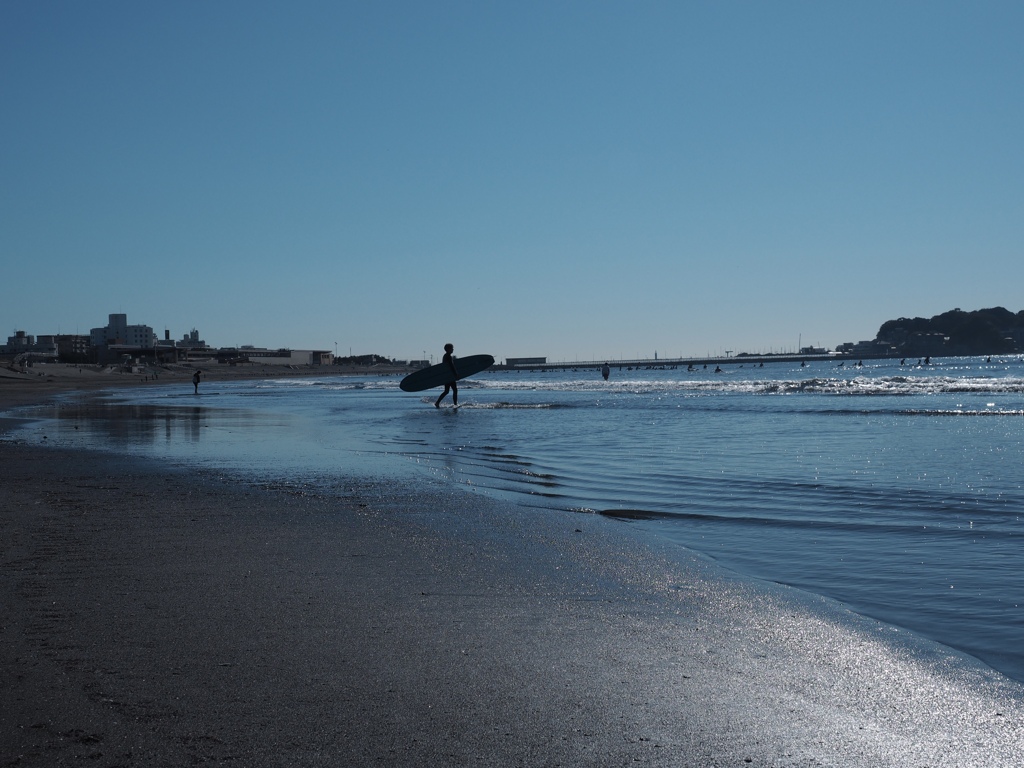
pixel 154 616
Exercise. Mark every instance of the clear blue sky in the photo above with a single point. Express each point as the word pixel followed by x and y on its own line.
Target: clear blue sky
pixel 577 180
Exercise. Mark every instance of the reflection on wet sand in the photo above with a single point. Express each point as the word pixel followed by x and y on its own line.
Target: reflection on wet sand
pixel 206 432
pixel 120 424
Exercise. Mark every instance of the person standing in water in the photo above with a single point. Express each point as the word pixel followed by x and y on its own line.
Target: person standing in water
pixel 195 380
pixel 605 371
pixel 451 385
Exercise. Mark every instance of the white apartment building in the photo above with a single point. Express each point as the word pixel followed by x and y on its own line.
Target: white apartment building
pixel 118 332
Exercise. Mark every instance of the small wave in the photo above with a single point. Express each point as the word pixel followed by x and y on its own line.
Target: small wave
pixel 633 514
pixel 959 412
pixel 297 383
pixel 502 405
pixel 860 385
pixel 517 406
pixel 330 385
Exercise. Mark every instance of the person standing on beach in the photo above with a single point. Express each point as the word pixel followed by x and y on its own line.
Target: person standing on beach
pixel 450 362
pixel 195 380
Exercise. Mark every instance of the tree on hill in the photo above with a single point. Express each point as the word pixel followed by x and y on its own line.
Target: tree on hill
pixel 363 360
pixel 981 332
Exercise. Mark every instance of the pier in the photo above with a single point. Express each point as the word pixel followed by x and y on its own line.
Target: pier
pixel 686 362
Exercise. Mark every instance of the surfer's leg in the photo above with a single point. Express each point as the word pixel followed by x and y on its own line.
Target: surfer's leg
pixel 455 394
pixel 437 403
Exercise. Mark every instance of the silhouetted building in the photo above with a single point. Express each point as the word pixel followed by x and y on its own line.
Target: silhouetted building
pixel 22 343
pixel 118 332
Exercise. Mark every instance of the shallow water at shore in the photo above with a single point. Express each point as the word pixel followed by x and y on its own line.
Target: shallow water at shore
pixel 894 490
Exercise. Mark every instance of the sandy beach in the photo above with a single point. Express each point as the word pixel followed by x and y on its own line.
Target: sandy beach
pixel 154 616
pixel 44 380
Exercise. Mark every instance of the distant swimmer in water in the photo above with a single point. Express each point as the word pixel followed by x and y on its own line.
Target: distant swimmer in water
pixel 451 385
pixel 718 368
pixel 195 380
pixel 605 371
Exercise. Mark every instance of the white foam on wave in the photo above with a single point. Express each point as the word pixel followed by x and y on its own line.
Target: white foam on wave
pixel 861 385
pixel 327 384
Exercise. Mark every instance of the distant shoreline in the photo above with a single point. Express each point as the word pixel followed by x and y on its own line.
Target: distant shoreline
pixel 43 381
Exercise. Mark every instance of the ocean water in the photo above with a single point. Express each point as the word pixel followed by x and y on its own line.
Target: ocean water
pixel 895 490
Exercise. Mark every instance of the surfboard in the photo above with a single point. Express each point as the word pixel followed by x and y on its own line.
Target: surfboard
pixel 440 374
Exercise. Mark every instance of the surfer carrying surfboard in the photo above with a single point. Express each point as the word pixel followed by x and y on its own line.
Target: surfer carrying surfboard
pixel 449 361
pixel 444 374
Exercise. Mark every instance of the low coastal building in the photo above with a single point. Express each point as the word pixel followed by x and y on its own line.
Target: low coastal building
pixel 27 347
pixel 872 348
pixel 275 356
pixel 191 340
pixel 19 342
pixel 71 347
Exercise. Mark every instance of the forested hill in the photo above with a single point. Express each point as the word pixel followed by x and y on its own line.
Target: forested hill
pixel 982 332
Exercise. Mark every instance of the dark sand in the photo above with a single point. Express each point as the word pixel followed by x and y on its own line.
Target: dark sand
pixel 153 617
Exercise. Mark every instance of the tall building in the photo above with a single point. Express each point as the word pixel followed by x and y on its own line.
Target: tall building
pixel 117 332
